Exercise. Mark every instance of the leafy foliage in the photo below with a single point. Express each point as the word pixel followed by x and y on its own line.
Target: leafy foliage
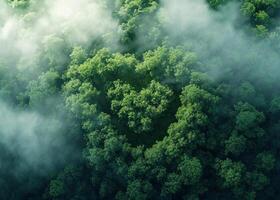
pixel 151 121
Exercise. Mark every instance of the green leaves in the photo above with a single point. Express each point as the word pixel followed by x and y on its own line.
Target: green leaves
pixel 275 105
pixel 19 3
pixel 230 172
pixel 154 120
pixel 168 65
pixel 248 8
pixel 261 14
pixel 248 120
pixel 265 161
pixel 56 188
pixel 43 91
pixel 78 56
pixel 235 144
pixel 217 3
pixel 192 94
pixel 130 14
pixel 105 67
pixel 139 190
pixel 209 140
pixel 139 108
pixel 191 170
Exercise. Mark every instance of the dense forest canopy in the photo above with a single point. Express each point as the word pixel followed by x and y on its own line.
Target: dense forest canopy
pixel 139 99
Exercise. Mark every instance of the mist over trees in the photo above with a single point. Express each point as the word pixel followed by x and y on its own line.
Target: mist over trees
pixel 139 99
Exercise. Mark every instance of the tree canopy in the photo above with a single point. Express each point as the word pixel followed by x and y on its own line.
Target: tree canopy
pixel 149 116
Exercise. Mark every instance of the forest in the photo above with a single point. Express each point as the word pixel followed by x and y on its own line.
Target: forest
pixel 139 99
